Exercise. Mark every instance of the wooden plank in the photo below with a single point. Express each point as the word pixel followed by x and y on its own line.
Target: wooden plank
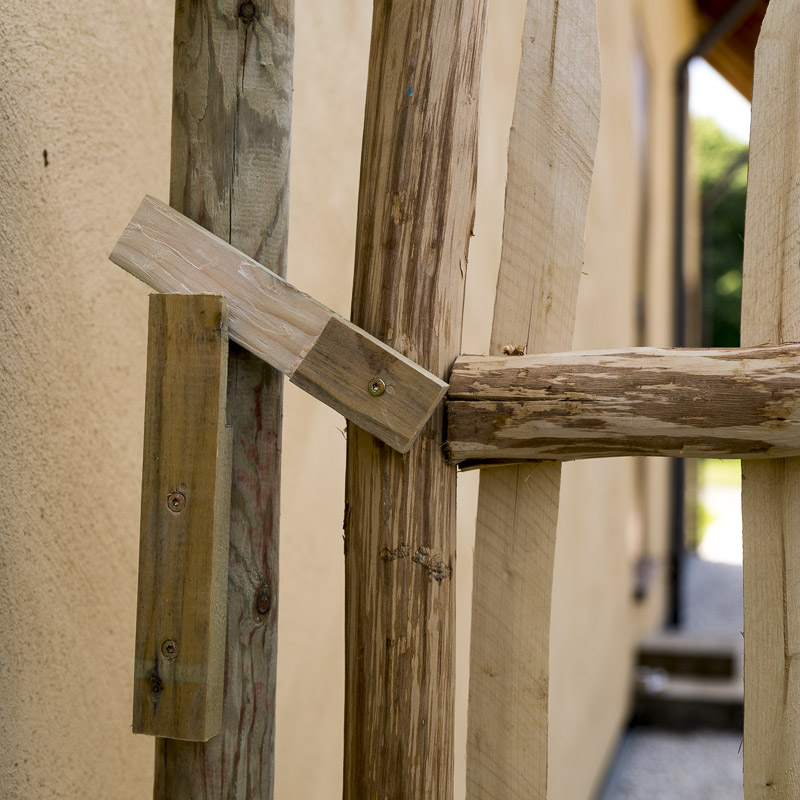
pixel 721 403
pixel 231 116
pixel 183 546
pixel 416 206
pixel 551 157
pixel 770 489
pixel 317 349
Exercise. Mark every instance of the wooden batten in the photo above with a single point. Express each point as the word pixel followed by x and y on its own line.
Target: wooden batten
pixel 318 350
pixel 550 161
pixel 721 403
pixel 770 489
pixel 183 549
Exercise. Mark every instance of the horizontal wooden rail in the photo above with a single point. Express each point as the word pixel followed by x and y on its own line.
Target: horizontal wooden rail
pixel 716 403
pixel 359 376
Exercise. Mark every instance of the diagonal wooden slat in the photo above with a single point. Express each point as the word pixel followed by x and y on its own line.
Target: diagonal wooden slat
pixel 551 158
pixel 770 490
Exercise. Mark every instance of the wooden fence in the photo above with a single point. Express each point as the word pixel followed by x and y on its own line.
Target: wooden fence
pixel 230 175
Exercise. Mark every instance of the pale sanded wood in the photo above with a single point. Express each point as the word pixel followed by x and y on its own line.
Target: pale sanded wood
pixel 183 546
pixel 231 115
pixel 720 403
pixel 551 157
pixel 320 351
pixel 770 490
pixel 416 206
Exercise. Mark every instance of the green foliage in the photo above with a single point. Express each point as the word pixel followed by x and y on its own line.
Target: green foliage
pixel 722 168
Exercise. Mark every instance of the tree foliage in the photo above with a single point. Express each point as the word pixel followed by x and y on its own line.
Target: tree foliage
pixel 722 168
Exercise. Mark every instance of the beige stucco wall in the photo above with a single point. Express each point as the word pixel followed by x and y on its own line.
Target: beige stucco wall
pixel 91 86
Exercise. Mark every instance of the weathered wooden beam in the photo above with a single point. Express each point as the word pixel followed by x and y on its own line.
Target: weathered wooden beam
pixel 721 403
pixel 231 118
pixel 770 489
pixel 415 213
pixel 550 162
pixel 185 523
pixel 321 352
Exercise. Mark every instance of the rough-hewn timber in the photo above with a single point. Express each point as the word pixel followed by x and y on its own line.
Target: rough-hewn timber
pixel 317 349
pixel 771 489
pixel 722 403
pixel 416 208
pixel 550 163
pixel 232 87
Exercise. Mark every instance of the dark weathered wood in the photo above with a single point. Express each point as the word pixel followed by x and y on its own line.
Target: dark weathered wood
pixel 416 208
pixel 183 548
pixel 721 403
pixel 232 78
pixel 321 352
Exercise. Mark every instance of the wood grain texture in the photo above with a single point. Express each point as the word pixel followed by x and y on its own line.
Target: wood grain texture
pixel 232 88
pixel 551 158
pixel 721 403
pixel 415 214
pixel 770 489
pixel 185 523
pixel 317 349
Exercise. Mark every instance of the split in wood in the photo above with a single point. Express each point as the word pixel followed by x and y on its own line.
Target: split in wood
pixel 715 403
pixel 320 351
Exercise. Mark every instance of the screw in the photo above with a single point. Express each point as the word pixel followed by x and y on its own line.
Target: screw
pixel 376 387
pixel 247 10
pixel 176 502
pixel 169 649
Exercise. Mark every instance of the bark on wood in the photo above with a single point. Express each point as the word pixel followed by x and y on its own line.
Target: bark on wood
pixel 722 403
pixel 321 352
pixel 185 525
pixel 551 157
pixel 416 208
pixel 232 80
pixel 770 489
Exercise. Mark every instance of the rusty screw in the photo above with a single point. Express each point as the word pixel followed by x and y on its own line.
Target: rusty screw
pixel 176 502
pixel 169 649
pixel 376 387
pixel 247 11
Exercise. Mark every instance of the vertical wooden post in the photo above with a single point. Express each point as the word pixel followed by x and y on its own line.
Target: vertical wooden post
pixel 550 164
pixel 232 84
pixel 770 489
pixel 416 209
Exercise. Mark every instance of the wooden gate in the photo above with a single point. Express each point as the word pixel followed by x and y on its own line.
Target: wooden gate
pixel 208 694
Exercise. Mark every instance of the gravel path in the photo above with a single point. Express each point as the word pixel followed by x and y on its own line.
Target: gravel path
pixel 705 765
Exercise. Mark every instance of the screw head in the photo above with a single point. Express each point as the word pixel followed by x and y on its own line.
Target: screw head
pixel 376 387
pixel 247 10
pixel 169 649
pixel 176 502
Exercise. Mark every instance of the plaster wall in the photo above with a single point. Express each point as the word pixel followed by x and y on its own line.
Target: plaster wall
pixel 93 90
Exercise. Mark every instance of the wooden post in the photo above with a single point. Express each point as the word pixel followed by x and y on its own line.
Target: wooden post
pixel 416 208
pixel 183 547
pixel 550 163
pixel 232 79
pixel 770 489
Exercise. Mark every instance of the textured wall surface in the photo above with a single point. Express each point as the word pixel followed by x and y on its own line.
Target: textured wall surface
pixel 92 87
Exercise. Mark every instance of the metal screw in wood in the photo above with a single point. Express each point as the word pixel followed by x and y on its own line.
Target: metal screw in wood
pixel 376 387
pixel 176 502
pixel 169 649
